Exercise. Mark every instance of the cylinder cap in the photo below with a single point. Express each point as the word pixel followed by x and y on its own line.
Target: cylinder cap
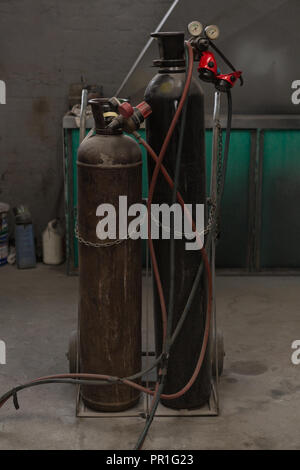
pixel 100 108
pixel 171 49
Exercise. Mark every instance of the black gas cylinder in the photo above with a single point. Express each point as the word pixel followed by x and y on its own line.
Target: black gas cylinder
pixel 163 95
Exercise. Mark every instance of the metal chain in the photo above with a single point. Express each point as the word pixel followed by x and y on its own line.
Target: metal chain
pixel 220 159
pixel 211 217
pixel 181 234
pixel 219 171
pixel 157 222
pixel 106 244
pixel 97 245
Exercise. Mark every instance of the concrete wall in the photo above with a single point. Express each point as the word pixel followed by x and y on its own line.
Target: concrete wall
pixel 48 44
pixel 45 46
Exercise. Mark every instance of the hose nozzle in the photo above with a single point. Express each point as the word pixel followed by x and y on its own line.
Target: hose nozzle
pixel 130 118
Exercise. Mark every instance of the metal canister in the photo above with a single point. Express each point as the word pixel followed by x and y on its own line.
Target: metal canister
pixel 110 276
pixel 163 94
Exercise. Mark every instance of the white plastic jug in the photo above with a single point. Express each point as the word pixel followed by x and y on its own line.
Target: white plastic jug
pixel 53 243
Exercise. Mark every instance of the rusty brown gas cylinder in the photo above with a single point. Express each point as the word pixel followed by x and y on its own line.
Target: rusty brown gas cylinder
pixel 109 166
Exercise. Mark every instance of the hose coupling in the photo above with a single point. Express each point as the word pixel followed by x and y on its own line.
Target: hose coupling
pixel 130 118
pixel 163 366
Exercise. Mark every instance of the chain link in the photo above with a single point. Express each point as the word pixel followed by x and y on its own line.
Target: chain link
pixel 211 217
pixel 181 234
pixel 219 158
pixel 219 171
pixel 106 244
pixel 157 223
pixel 97 245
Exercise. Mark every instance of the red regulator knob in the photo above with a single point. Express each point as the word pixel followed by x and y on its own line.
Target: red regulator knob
pixel 144 109
pixel 226 81
pixel 126 110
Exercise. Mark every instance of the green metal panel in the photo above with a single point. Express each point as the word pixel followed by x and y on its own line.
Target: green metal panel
pixel 232 248
pixel 277 241
pixel 280 221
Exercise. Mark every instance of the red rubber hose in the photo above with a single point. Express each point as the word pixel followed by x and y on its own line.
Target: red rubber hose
pixel 170 183
pixel 209 279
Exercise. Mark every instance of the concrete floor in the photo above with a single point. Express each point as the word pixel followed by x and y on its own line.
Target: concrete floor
pixel 259 390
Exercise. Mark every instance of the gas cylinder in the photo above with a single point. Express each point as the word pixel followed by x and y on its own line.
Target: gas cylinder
pixel 109 166
pixel 163 95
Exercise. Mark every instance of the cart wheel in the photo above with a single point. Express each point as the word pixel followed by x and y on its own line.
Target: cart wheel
pixel 73 352
pixel 221 354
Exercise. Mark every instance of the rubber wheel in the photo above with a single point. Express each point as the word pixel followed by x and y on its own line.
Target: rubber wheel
pixel 73 352
pixel 221 354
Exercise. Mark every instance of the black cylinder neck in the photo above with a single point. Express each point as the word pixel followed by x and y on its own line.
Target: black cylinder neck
pixel 101 106
pixel 171 49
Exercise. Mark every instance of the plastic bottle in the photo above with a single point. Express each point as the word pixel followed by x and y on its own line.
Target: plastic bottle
pixel 53 243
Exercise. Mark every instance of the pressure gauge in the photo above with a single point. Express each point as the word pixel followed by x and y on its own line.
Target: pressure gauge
pixel 195 28
pixel 212 31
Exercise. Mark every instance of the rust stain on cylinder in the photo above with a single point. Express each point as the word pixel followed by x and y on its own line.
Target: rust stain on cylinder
pixel 109 277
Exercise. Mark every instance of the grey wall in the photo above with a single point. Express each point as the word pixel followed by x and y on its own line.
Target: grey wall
pixel 48 44
pixel 44 46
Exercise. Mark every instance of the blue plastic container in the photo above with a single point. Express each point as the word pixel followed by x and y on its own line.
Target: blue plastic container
pixel 3 249
pixel 25 249
pixel 4 237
